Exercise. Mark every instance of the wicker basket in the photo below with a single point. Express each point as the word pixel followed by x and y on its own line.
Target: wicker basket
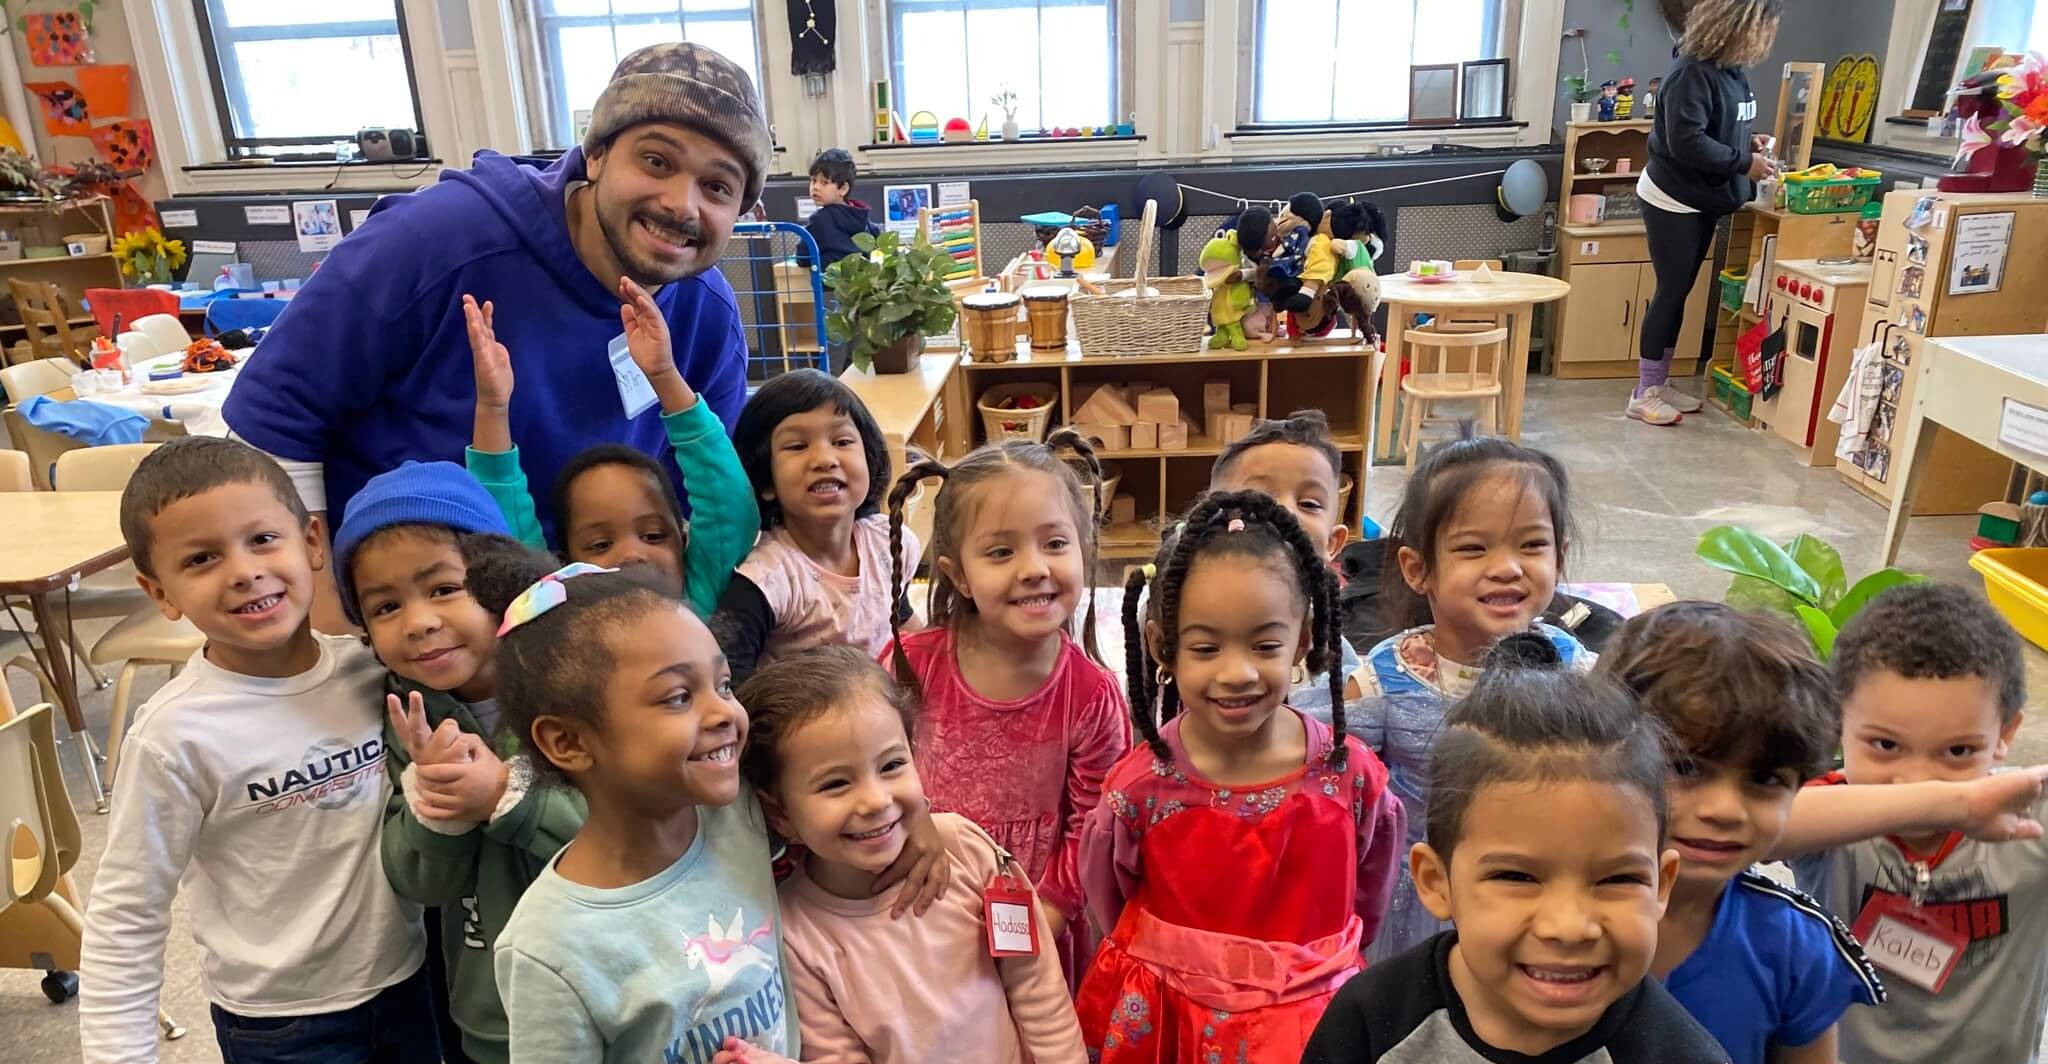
pixel 1112 476
pixel 1026 425
pixel 1167 316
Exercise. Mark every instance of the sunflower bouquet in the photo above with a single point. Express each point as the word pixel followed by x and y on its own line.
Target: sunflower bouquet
pixel 148 257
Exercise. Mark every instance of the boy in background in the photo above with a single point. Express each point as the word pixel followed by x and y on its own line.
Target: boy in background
pixel 257 775
pixel 1954 914
pixel 839 217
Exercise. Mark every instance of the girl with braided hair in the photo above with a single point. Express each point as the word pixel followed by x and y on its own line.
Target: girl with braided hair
pixel 1020 723
pixel 1245 852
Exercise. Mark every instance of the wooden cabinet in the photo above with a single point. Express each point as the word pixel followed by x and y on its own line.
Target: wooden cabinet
pixel 1602 327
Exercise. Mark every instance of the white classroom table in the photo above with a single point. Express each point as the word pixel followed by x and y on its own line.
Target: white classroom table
pixel 1992 390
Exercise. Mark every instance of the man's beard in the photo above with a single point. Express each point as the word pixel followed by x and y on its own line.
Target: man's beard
pixel 652 275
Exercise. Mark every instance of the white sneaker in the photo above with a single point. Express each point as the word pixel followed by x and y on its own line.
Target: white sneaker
pixel 1651 409
pixel 1677 400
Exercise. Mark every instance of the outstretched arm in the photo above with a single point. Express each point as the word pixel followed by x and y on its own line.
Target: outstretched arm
pixel 1996 808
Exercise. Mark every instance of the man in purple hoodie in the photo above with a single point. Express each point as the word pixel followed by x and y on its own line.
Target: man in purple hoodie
pixel 370 364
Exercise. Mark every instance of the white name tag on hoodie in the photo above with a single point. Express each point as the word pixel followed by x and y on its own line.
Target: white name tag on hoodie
pixel 635 394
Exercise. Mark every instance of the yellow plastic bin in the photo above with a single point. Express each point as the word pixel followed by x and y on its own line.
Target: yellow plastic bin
pixel 2016 582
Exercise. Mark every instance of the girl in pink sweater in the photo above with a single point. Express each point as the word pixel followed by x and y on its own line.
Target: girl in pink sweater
pixel 1019 724
pixel 831 758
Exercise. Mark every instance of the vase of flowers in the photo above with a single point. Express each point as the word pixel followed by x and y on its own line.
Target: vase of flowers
pixel 147 258
pixel 1006 101
pixel 2022 121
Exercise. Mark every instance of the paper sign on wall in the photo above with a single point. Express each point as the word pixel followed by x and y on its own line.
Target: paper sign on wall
pixel 805 207
pixel 213 247
pixel 318 223
pixel 357 218
pixel 267 214
pixel 180 219
pixel 900 204
pixel 2023 428
pixel 953 193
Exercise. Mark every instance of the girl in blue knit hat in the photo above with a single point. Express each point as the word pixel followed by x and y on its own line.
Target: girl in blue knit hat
pixel 402 557
pixel 615 506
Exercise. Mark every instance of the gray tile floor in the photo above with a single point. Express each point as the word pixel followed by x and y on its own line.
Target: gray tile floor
pixel 1642 497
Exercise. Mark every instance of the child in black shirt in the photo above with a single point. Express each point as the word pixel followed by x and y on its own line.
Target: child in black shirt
pixel 1546 849
pixel 839 217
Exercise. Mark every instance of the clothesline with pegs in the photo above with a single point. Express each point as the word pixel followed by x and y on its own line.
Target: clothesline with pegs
pixel 1275 205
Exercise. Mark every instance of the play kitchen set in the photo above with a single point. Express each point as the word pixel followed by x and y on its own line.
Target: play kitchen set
pixel 1946 264
pixel 1603 253
pixel 1814 305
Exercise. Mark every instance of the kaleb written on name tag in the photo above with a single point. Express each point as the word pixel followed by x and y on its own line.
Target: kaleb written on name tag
pixel 1909 946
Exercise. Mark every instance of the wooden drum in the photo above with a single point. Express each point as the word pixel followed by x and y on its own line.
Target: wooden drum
pixel 988 322
pixel 1045 306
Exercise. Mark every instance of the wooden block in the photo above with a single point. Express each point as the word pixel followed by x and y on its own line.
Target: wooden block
pixel 1215 395
pixel 1123 508
pixel 1174 437
pixel 1144 436
pixel 1107 405
pixel 1159 406
pixel 1245 408
pixel 1235 427
pixel 1139 387
pixel 1105 437
pixel 1212 424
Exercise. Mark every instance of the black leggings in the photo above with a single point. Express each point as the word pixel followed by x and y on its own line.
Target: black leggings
pixel 1678 244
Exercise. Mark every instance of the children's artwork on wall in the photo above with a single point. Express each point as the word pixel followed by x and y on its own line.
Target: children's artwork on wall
pixel 57 38
pixel 132 211
pixel 318 223
pixel 64 113
pixel 900 204
pixel 105 89
pixel 126 145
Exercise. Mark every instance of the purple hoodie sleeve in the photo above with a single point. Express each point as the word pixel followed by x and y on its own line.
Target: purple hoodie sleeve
pixel 330 357
pixel 725 386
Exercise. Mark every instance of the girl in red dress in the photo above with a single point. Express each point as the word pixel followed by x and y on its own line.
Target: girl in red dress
pixel 1245 853
pixel 1019 723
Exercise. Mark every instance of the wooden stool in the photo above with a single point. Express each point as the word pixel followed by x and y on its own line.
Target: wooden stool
pixel 1433 380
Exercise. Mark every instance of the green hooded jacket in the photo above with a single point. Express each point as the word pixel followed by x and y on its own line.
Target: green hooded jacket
pixel 476 877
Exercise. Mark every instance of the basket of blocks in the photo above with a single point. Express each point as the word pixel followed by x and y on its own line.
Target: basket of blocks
pixel 1140 315
pixel 1017 411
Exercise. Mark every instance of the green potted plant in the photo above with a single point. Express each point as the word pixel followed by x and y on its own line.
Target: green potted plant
pixel 1803 580
pixel 1582 97
pixel 889 298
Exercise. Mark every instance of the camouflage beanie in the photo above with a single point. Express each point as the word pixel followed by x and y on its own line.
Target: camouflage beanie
pixel 691 86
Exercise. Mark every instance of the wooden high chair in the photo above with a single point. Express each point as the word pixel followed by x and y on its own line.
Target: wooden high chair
pixel 1433 380
pixel 48 327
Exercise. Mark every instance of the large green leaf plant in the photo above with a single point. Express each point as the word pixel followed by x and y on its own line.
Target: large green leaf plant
pixel 1803 579
pixel 887 292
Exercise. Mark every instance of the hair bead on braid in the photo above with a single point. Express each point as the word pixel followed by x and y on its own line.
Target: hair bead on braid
pixel 1244 524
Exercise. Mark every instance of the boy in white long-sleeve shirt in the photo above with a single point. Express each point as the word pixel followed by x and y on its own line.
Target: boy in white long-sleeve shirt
pixel 256 777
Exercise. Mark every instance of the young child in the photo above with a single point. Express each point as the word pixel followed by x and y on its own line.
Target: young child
pixel 1018 723
pixel 839 216
pixel 1546 852
pixel 652 935
pixel 255 778
pixel 1296 463
pixel 831 758
pixel 1752 715
pixel 1932 685
pixel 616 506
pixel 1476 550
pixel 1245 852
pixel 821 571
pixel 403 555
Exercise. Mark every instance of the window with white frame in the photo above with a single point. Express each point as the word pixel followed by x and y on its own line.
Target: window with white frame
pixel 1346 61
pixel 2008 25
pixel 1060 58
pixel 306 73
pixel 582 41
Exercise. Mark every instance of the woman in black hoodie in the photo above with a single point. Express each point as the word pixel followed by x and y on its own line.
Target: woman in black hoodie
pixel 1704 164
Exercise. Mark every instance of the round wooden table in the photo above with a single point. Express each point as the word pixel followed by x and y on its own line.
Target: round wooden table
pixel 1509 299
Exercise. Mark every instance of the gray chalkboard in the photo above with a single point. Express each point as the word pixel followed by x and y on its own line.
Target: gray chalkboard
pixel 1937 73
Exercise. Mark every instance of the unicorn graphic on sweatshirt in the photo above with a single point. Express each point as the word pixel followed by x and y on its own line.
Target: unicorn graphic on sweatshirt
pixel 730 951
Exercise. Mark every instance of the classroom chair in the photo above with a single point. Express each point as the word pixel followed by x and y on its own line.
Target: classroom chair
pixel 168 332
pixel 1432 379
pixel 48 324
pixel 40 925
pixel 41 377
pixel 129 305
pixel 144 636
pixel 17 649
pixel 137 347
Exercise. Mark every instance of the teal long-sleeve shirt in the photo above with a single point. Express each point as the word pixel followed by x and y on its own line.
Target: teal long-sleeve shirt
pixel 724 519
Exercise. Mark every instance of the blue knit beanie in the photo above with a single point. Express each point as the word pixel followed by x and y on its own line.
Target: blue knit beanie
pixel 416 493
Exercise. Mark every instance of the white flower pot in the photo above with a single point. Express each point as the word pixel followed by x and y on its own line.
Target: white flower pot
pixel 1010 129
pixel 1582 112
